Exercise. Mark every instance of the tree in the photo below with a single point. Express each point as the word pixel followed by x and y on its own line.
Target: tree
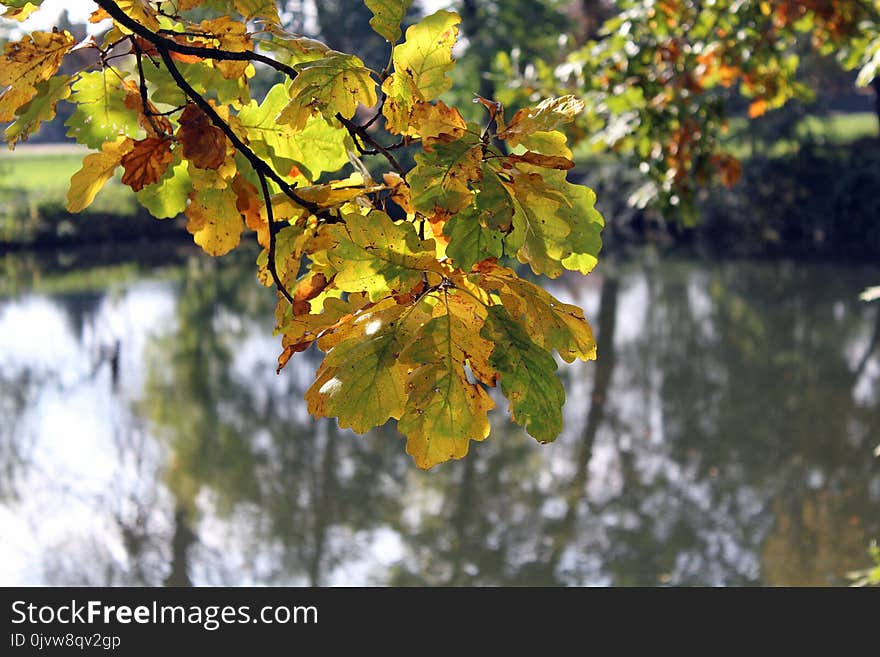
pixel 659 80
pixel 401 281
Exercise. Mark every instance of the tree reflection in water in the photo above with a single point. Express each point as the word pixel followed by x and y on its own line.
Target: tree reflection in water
pixel 724 436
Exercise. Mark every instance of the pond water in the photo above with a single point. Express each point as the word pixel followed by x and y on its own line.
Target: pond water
pixel 725 436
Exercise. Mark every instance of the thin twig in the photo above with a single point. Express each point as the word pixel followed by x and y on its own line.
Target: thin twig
pixel 256 162
pixel 356 130
pixel 270 215
pixel 185 49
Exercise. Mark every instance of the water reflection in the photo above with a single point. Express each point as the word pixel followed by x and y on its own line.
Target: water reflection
pixel 723 437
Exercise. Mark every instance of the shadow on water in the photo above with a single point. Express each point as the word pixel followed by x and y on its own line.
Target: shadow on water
pixel 724 436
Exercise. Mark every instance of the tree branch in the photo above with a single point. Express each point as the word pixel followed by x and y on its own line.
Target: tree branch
pixel 158 40
pixel 270 215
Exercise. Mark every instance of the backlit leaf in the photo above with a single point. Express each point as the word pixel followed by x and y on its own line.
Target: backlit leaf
pixel 376 255
pixel 440 178
pixel 527 374
pixel 426 54
pixel 101 112
pixel 26 63
pixel 443 411
pixel 96 170
pixel 387 16
pixel 546 115
pixel 214 220
pixel 146 162
pixel 40 108
pixel 335 84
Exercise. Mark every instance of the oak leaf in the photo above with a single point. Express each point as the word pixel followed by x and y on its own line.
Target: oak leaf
pixel 147 162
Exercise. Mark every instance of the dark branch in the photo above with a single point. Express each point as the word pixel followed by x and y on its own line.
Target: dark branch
pixel 270 214
pixel 185 49
pixel 358 131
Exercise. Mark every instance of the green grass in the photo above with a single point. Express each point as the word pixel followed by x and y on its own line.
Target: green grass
pixel 35 181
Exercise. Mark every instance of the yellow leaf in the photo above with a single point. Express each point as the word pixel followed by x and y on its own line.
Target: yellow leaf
pixel 401 95
pixel 436 124
pixel 214 220
pixel 26 63
pixel 426 54
pixel 375 255
pixel 444 411
pixel 336 84
pixel 362 381
pixel 546 115
pixel 96 170
pixel 20 13
pixel 387 16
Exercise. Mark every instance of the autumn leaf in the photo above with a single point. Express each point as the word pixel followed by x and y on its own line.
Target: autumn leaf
pixel 373 254
pixel 546 161
pixel 146 163
pixel 387 16
pixel 443 411
pixel 549 322
pixel 96 170
pixel 477 232
pixel 26 63
pixel 527 374
pixel 441 176
pixel 335 84
pixel 436 123
pixel 39 109
pixel 547 115
pixel 426 54
pixel 101 112
pixel 203 143
pixel 316 148
pixel 262 9
pixel 167 197
pixel 362 381
pixel 214 220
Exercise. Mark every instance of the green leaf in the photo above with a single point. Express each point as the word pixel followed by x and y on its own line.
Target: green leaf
pixel 372 253
pixel 361 380
pixel 387 17
pixel 550 323
pixel 167 198
pixel 101 113
pixel 40 108
pixel 528 376
pixel 334 84
pixel 443 411
pixel 477 232
pixel 426 54
pixel 317 148
pixel 441 176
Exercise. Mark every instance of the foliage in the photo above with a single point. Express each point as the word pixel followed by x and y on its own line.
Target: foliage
pixel 398 280
pixel 868 576
pixel 659 80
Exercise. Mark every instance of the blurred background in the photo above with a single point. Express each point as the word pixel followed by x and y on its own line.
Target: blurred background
pixel 728 434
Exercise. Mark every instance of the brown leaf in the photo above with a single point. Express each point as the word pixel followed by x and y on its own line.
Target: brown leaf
pixel 146 163
pixel 547 161
pixel 148 119
pixel 309 288
pixel 204 144
pixel 400 192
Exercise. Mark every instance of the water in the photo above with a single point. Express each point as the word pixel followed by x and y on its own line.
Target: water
pixel 724 437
